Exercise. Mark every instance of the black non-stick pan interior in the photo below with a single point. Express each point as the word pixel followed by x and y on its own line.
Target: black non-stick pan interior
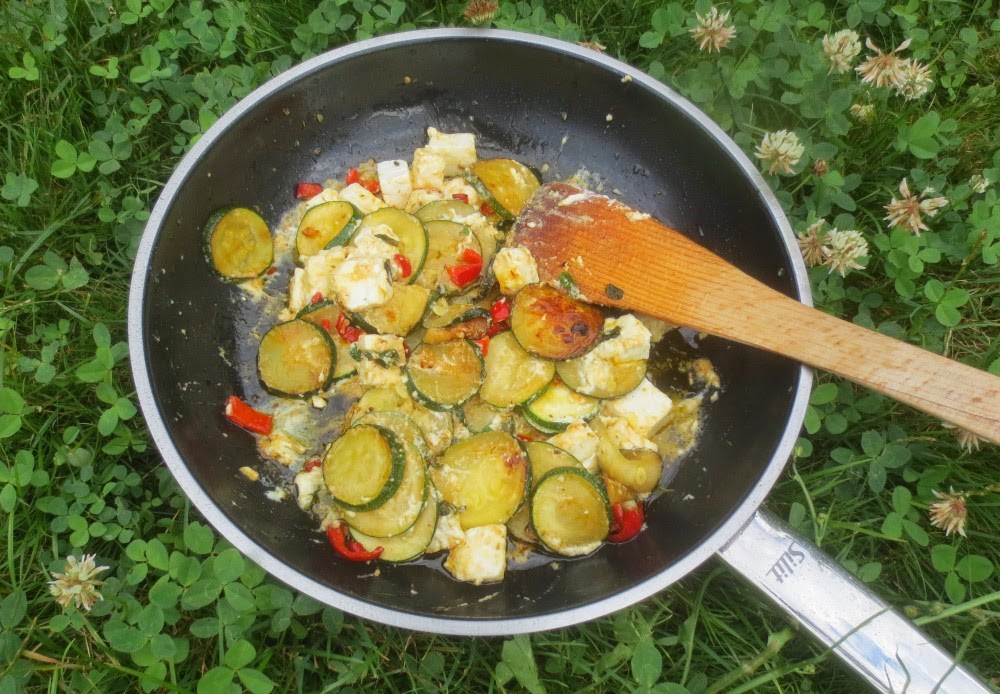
pixel 556 109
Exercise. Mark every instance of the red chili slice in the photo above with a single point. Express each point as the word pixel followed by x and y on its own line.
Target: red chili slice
pixel 353 176
pixel 349 332
pixel 483 344
pixel 628 518
pixel 347 547
pixel 242 415
pixel 463 275
pixel 461 197
pixel 316 298
pixel 304 191
pixel 403 263
pixel 500 309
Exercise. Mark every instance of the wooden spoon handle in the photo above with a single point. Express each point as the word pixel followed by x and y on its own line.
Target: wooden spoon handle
pixel 619 257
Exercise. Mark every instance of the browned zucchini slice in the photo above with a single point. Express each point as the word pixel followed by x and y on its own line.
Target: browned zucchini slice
pixel 296 359
pixel 444 376
pixel 238 244
pixel 506 185
pixel 552 325
pixel 484 476
pixel 363 468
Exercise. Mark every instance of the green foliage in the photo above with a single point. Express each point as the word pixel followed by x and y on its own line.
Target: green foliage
pixel 101 101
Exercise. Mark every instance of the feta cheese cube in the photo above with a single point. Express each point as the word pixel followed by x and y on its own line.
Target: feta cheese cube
pixel 623 435
pixel 362 198
pixel 315 276
pixel 458 150
pixel 459 186
pixel 362 282
pixel 631 343
pixel 428 169
pixel 481 557
pixel 644 408
pixel 447 533
pixel 514 268
pixel 375 242
pixel 581 442
pixel 394 180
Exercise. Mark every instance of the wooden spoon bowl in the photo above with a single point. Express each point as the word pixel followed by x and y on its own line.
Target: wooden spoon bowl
pixel 623 258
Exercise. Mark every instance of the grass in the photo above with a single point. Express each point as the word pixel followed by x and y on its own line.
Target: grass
pixel 99 102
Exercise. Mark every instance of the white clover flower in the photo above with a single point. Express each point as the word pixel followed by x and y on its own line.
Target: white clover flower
pixel 907 211
pixel 863 113
pixel 77 584
pixel 950 512
pixel 979 183
pixel 882 69
pixel 841 49
pixel 915 80
pixel 713 32
pixel 780 150
pixel 812 243
pixel 845 248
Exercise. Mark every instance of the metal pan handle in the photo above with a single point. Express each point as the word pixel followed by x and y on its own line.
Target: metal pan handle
pixel 876 641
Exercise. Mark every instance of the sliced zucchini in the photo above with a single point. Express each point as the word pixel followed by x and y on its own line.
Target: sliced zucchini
pixel 445 243
pixel 238 244
pixel 506 185
pixel 409 544
pixel 454 314
pixel 437 427
pixel 398 423
pixel 399 315
pixel 479 416
pixel 551 325
pixel 544 456
pixel 484 477
pixel 326 225
pixel 363 468
pixel 570 511
pixel 558 406
pixel 602 378
pixel 639 468
pixel 449 209
pixel 325 314
pixel 512 375
pixel 474 329
pixel 296 359
pixel 403 508
pixel 408 229
pixel 519 525
pixel 444 376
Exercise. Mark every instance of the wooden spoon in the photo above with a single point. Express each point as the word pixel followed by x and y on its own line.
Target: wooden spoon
pixel 622 258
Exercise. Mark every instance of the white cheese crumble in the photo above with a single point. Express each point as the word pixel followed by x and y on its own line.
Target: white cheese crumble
pixel 326 195
pixel 307 486
pixel 514 268
pixel 447 533
pixel 362 198
pixel 373 348
pixel 458 150
pixel 481 557
pixel 428 169
pixel 394 180
pixel 643 408
pixel 362 282
pixel 581 442
pixel 314 277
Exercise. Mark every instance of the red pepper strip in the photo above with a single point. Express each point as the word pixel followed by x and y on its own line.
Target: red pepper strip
pixel 628 519
pixel 304 191
pixel 349 332
pixel 496 328
pixel 312 464
pixel 483 344
pixel 461 197
pixel 271 270
pixel 241 414
pixel 465 274
pixel 347 547
pixel 327 325
pixel 353 176
pixel 471 257
pixel 405 269
pixel 485 209
pixel 317 297
pixel 500 309
pixel 372 186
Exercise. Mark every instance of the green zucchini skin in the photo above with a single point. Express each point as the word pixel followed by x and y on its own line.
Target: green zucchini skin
pixel 294 343
pixel 400 511
pixel 351 457
pixel 326 225
pixel 513 375
pixel 237 244
pixel 409 229
pixel 558 406
pixel 443 376
pixel 325 314
pixel 570 511
pixel 409 544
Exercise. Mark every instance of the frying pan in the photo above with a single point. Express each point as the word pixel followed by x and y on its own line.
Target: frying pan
pixel 563 109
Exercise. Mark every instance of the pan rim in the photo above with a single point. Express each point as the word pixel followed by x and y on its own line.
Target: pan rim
pixel 737 519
